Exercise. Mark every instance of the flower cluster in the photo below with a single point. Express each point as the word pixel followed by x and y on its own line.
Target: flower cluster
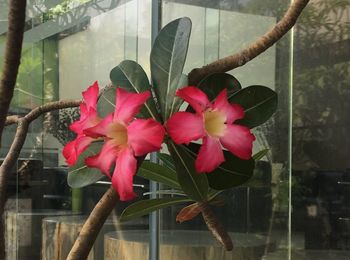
pixel 127 138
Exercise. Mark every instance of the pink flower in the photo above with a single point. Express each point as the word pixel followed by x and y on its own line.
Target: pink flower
pixel 125 139
pixel 88 118
pixel 214 124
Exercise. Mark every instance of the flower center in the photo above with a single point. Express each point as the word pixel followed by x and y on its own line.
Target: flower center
pixel 118 133
pixel 214 123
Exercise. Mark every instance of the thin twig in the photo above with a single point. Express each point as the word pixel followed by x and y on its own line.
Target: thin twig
pixel 10 120
pixel 12 57
pixel 254 49
pixel 15 149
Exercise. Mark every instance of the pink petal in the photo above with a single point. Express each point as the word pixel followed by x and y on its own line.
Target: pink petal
pixel 210 155
pixel 233 112
pixel 145 136
pixel 122 179
pixel 195 97
pixel 104 159
pixel 101 128
pixel 238 140
pixel 128 104
pixel 73 149
pixel 90 120
pixel 184 127
pixel 90 96
pixel 69 153
pixel 83 111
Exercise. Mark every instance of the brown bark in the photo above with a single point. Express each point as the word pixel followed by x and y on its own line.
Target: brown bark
pixel 12 57
pixel 14 152
pixel 215 227
pixel 254 49
pixel 93 225
pixel 10 120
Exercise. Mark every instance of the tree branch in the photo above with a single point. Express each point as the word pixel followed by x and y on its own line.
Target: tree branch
pixel 10 120
pixel 254 49
pixel 14 152
pixel 13 49
pixel 93 225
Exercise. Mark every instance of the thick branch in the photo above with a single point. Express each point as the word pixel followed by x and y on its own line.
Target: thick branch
pixel 216 228
pixel 254 49
pixel 93 225
pixel 14 152
pixel 13 49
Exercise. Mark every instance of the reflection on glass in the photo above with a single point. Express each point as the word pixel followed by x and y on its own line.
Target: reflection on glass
pixel 70 45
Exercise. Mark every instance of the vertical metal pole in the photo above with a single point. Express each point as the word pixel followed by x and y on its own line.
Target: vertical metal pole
pixel 290 139
pixel 154 219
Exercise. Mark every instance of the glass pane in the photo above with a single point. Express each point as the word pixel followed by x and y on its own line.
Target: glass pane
pixel 67 46
pixel 256 214
pixel 321 127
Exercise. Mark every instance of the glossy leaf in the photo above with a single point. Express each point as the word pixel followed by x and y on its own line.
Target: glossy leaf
pixel 195 185
pixel 168 57
pixel 213 84
pixel 158 173
pixel 144 207
pixel 130 76
pixel 259 104
pixel 80 175
pixel 259 155
pixel 178 101
pixel 167 160
pixel 231 173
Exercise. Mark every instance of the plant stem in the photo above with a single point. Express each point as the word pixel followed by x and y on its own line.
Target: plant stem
pixel 216 228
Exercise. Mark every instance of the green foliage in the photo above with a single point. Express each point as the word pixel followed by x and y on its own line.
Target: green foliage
pixel 158 173
pixel 168 57
pixel 177 170
pixel 259 155
pixel 231 173
pixel 144 207
pixel 80 175
pixel 193 184
pixel 167 160
pixel 213 84
pixel 259 104
pixel 130 76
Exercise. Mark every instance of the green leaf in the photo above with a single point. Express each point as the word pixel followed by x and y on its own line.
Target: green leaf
pixel 144 207
pixel 168 57
pixel 259 104
pixel 158 173
pixel 80 175
pixel 167 160
pixel 259 155
pixel 178 101
pixel 130 76
pixel 231 173
pixel 213 84
pixel 195 185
